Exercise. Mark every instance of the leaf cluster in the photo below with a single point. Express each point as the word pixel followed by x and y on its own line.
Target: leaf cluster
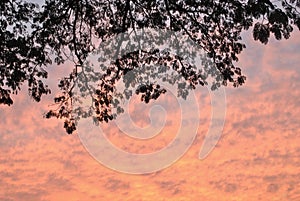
pixel 32 37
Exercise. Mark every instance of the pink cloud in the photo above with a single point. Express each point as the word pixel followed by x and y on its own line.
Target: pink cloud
pixel 256 158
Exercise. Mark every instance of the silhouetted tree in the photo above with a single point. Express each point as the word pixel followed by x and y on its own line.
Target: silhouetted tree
pixel 31 38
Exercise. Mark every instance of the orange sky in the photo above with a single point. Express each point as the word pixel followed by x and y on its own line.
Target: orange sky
pixel 257 158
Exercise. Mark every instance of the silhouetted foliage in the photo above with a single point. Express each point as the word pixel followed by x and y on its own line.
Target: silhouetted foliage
pixel 33 37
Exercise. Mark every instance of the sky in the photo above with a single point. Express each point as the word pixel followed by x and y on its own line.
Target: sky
pixel 257 157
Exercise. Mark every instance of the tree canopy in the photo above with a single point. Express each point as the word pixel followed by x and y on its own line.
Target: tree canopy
pixel 33 36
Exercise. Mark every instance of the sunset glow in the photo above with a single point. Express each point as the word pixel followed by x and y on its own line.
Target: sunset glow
pixel 257 157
